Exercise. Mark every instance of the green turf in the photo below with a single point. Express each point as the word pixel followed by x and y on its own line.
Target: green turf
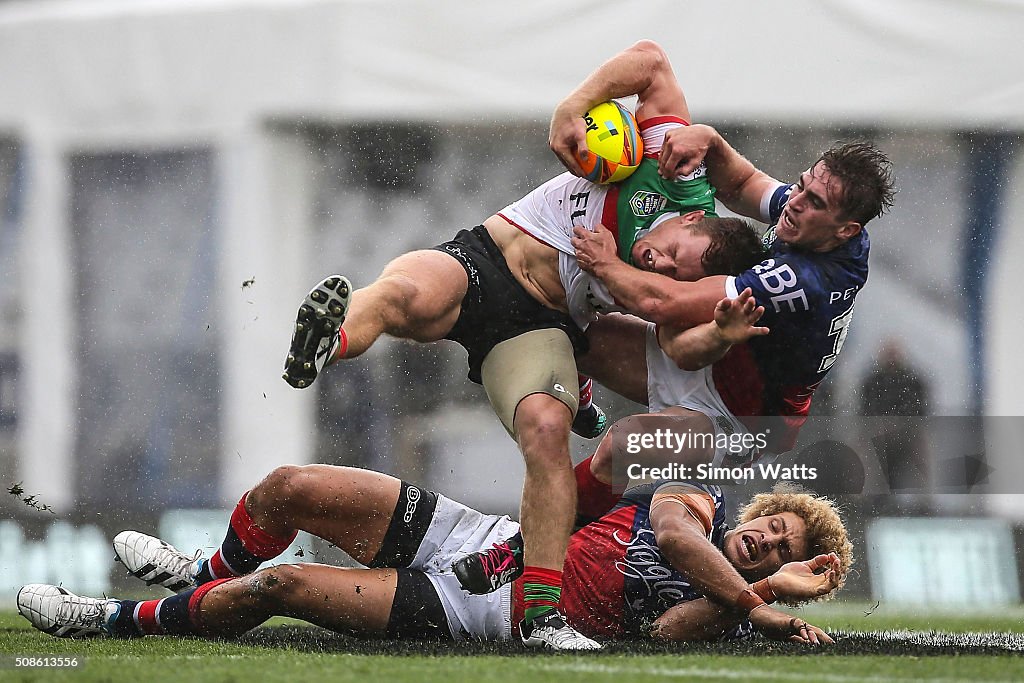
pixel 289 652
pixel 859 617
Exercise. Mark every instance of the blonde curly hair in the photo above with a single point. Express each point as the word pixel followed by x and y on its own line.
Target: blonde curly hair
pixel 826 532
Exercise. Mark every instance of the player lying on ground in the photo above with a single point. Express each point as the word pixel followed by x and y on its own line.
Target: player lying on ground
pixel 663 563
pixel 510 291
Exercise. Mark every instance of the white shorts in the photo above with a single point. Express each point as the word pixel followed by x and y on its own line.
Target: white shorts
pixel 454 532
pixel 668 385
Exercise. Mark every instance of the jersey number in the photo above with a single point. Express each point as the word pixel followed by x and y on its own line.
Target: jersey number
pixel 839 328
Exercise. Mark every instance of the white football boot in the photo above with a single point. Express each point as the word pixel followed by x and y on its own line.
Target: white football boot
pixel 315 337
pixel 550 631
pixel 62 614
pixel 156 562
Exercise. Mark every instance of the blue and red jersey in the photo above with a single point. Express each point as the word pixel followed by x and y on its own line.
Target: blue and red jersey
pixel 616 581
pixel 808 299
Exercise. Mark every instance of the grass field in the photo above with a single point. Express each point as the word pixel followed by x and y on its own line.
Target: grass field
pixel 874 644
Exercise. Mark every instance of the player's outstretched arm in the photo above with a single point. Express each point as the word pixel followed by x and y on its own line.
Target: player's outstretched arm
pixel 795 582
pixel 694 620
pixel 739 184
pixel 700 346
pixel 643 70
pixel 706 620
pixel 654 297
pixel 683 541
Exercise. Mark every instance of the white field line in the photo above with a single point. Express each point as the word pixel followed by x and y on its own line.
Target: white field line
pixel 633 669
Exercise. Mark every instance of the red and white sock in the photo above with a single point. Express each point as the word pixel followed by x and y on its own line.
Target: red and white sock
pixel 586 392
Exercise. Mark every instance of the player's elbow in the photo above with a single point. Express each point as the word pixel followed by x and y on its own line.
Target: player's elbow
pixel 683 359
pixel 650 46
pixel 653 52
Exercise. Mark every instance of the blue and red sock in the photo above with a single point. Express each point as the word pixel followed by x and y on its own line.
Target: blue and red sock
pixel 177 615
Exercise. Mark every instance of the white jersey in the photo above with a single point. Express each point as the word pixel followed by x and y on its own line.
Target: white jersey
pixel 585 295
pixel 550 212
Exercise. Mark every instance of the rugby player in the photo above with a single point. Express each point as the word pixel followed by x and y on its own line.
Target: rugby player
pixel 662 563
pixel 510 291
pixel 817 264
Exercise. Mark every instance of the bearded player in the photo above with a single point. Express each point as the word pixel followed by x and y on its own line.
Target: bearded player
pixel 662 563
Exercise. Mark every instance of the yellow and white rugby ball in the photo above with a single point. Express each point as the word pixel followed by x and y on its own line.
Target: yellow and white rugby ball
pixel 614 141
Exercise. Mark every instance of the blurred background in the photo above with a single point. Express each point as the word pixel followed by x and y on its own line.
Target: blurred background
pixel 176 174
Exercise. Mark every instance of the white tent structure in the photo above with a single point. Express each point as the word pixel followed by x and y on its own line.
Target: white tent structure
pixel 166 68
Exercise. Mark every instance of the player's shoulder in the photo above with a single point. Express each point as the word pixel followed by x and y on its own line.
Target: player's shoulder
pixel 844 268
pixel 775 200
pixel 793 280
pixel 680 486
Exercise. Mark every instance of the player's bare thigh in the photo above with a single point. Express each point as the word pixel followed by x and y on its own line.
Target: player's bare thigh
pixel 618 355
pixel 350 507
pixel 418 296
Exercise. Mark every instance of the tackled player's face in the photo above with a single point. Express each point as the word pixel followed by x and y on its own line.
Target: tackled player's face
pixel 673 249
pixel 758 548
pixel 812 219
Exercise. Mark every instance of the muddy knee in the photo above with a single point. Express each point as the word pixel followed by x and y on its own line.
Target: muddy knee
pixel 285 493
pixel 275 586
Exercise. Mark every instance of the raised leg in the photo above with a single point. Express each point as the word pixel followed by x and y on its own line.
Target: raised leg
pixel 613 454
pixel 617 356
pixel 418 296
pixel 347 506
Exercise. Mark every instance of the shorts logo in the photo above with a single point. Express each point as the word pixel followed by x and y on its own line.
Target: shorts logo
pixel 592 300
pixel 412 496
pixel 472 272
pixel 559 387
pixel 644 203
pixel 724 425
pixel 699 172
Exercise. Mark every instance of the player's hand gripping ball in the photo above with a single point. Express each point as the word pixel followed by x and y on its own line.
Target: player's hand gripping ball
pixel 613 138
